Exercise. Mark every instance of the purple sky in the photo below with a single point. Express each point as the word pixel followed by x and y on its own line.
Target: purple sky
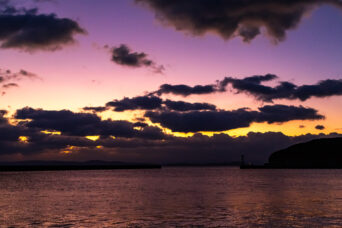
pixel 83 74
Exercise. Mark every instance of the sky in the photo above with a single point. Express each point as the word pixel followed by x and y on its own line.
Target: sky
pixel 168 82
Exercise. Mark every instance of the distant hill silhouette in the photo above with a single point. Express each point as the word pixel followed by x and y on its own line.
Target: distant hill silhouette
pixel 318 153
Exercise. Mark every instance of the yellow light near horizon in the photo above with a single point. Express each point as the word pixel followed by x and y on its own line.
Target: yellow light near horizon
pixel 289 129
pixel 93 137
pixel 68 150
pixel 51 132
pixel 23 139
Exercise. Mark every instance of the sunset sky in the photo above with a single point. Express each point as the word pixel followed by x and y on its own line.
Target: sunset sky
pixel 169 82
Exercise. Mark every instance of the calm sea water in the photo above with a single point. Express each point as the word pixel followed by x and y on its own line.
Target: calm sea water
pixel 171 197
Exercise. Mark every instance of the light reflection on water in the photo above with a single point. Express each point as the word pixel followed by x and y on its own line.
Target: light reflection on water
pixel 209 197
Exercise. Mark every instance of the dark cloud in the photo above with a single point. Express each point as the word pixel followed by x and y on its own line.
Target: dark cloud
pixel 301 126
pixel 2 118
pixel 95 109
pixel 185 106
pixel 253 86
pixel 185 90
pixel 135 103
pixel 151 132
pixel 284 113
pixel 78 124
pixel 202 121
pixel 3 112
pixel 231 18
pixel 27 30
pixel 220 86
pixel 319 127
pixel 196 121
pixel 37 142
pixel 247 82
pixel 285 90
pixel 324 88
pixel 155 103
pixel 123 55
pixel 140 124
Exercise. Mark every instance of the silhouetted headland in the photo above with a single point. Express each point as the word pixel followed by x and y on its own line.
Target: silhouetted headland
pixel 66 165
pixel 315 154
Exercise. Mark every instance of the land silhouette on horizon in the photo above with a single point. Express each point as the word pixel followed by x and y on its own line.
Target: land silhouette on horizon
pixel 72 165
pixel 318 154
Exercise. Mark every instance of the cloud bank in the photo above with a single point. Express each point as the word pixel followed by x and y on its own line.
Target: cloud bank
pixel 222 120
pixel 149 144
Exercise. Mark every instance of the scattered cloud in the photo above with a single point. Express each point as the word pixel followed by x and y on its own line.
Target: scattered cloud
pixel 285 90
pixel 124 56
pixel 253 86
pixel 9 85
pixel 9 79
pixel 8 75
pixel 27 30
pixel 319 127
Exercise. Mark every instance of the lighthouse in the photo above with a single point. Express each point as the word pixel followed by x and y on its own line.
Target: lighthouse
pixel 242 163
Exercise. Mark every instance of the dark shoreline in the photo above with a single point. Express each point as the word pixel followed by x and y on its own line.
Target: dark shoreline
pixel 9 168
pixel 287 167
pixel 71 165
pixel 63 168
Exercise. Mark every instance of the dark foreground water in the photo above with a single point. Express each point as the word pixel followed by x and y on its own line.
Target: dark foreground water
pixel 170 197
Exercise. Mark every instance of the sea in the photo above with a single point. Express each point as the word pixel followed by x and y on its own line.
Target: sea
pixel 172 197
